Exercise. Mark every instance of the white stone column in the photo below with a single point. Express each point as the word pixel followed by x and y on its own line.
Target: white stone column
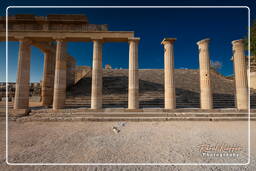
pixel 169 86
pixel 60 76
pixel 133 89
pixel 23 75
pixel 240 74
pixel 205 76
pixel 48 79
pixel 96 94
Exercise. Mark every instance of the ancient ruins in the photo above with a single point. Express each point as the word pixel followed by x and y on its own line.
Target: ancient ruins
pixel 51 33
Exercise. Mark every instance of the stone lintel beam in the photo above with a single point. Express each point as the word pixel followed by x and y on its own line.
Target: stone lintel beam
pixel 108 36
pixel 46 47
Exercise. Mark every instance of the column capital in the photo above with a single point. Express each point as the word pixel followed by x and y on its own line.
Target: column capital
pixel 168 40
pixel 237 42
pixel 59 38
pixel 46 51
pixel 203 42
pixel 22 38
pixel 134 39
pixel 101 40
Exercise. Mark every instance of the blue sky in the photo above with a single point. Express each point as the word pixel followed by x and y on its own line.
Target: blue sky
pixel 151 25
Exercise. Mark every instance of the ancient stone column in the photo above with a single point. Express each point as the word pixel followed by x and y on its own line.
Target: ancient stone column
pixel 96 95
pixel 48 79
pixel 133 89
pixel 240 74
pixel 205 80
pixel 169 87
pixel 60 76
pixel 23 75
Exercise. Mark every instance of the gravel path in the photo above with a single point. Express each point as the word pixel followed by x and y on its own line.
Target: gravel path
pixel 137 142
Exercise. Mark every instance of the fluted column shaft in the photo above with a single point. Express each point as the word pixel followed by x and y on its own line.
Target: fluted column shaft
pixel 205 77
pixel 240 74
pixel 23 75
pixel 60 76
pixel 169 86
pixel 96 95
pixel 48 79
pixel 133 89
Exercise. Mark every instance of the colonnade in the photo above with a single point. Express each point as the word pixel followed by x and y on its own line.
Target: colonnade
pixel 54 82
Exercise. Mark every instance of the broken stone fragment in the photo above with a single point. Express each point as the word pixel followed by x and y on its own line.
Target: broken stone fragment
pixel 116 130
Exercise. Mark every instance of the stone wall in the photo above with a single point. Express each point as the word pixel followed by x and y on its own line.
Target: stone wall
pixel 253 80
pixel 34 90
pixel 71 70
pixel 81 71
pixel 252 74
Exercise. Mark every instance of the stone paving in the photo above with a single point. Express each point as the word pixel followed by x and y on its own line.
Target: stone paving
pixel 134 142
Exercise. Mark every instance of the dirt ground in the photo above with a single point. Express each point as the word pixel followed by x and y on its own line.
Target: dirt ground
pixel 137 142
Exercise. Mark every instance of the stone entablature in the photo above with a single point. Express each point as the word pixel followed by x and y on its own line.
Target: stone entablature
pixel 53 22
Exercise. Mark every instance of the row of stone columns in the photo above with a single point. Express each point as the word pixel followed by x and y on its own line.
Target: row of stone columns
pixel 206 99
pixel 57 78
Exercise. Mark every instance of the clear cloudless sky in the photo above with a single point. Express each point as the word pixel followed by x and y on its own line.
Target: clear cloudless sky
pixel 221 25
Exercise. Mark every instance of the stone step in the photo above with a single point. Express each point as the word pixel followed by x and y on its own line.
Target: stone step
pixel 144 114
pixel 152 96
pixel 151 105
pixel 143 110
pixel 154 105
pixel 27 119
pixel 148 99
pixel 151 102
pixel 177 100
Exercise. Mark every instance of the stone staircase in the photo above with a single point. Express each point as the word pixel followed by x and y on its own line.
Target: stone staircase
pixel 157 101
pixel 151 95
pixel 151 98
pixel 147 114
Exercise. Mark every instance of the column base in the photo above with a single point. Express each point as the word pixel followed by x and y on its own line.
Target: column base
pixel 134 110
pixel 20 112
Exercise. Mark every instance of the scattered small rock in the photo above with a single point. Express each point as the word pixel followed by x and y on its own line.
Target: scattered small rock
pixel 122 123
pixel 116 130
